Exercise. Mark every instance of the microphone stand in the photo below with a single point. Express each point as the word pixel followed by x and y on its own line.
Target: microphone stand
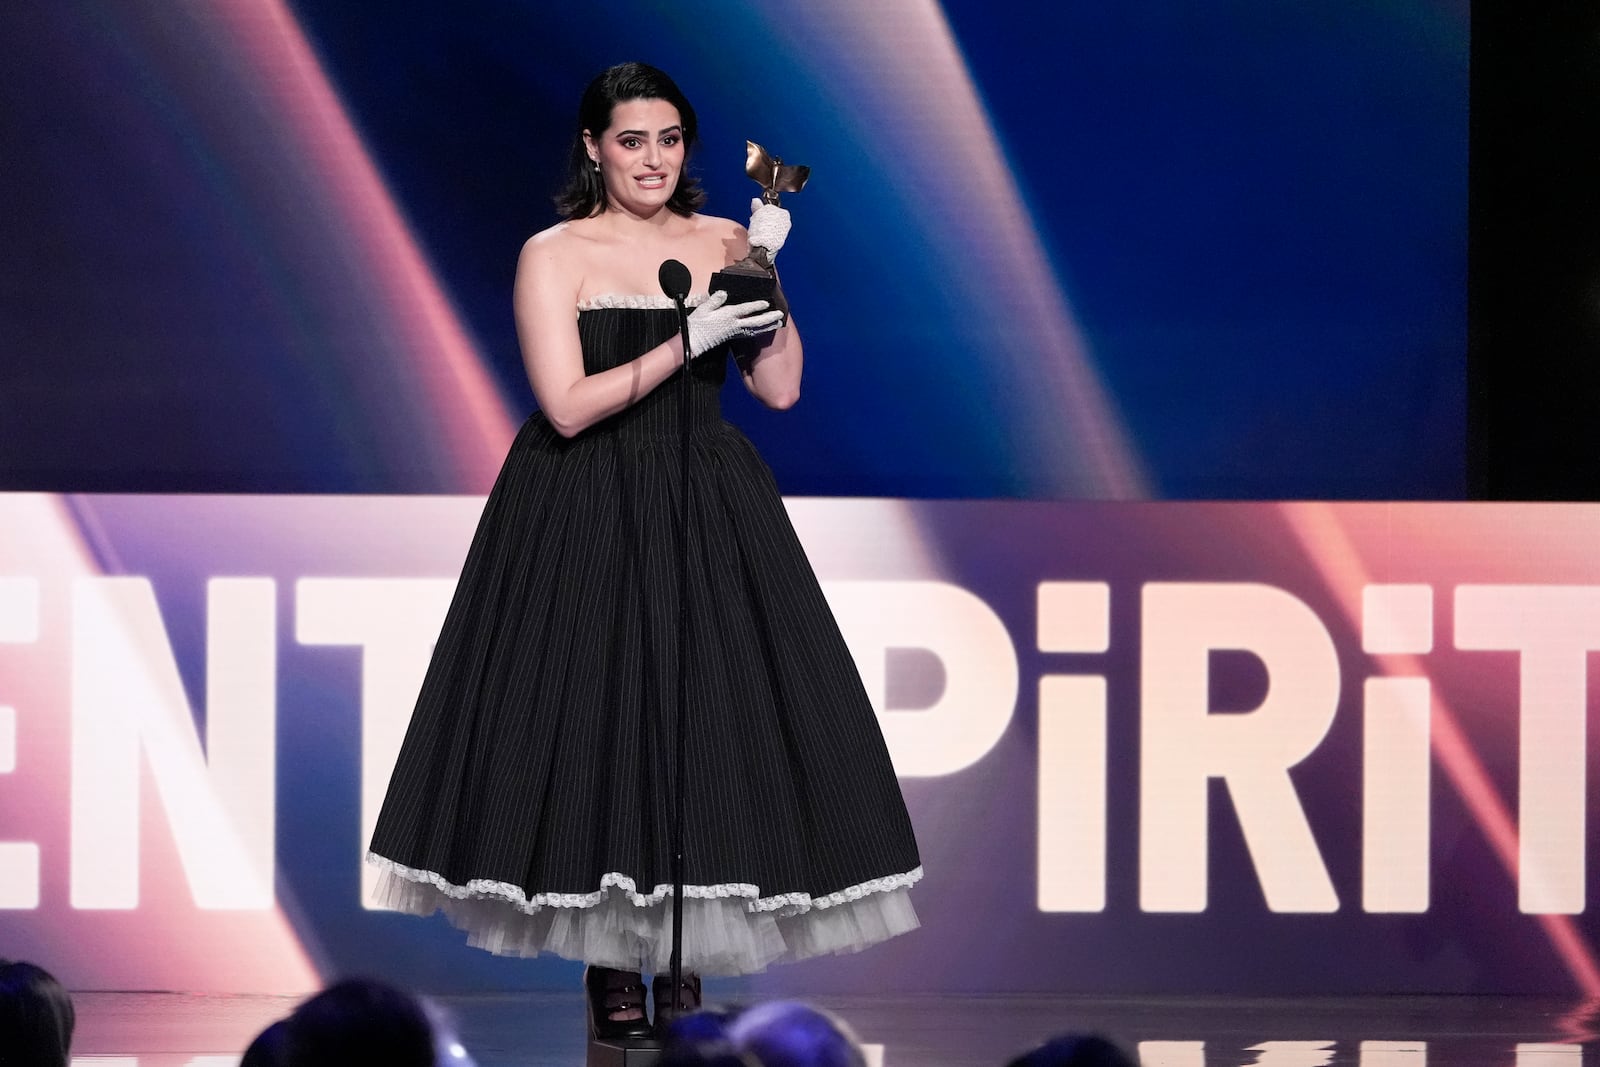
pixel 676 965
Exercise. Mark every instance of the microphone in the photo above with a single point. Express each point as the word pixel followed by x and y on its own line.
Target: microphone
pixel 674 279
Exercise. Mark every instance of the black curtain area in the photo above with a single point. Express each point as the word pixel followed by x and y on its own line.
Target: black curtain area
pixel 1534 251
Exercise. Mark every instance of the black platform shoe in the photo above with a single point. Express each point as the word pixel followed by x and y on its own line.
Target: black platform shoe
pixel 668 1007
pixel 613 993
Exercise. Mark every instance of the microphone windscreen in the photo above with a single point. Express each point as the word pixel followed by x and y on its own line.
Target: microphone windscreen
pixel 674 278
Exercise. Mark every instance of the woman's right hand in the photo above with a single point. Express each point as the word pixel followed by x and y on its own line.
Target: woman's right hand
pixel 715 322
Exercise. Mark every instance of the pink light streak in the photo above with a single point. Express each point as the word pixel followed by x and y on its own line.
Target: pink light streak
pixel 287 73
pixel 967 199
pixel 1327 545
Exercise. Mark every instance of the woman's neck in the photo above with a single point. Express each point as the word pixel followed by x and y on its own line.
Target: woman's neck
pixel 623 223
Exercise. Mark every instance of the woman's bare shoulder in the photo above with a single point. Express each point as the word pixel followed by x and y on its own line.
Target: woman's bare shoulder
pixel 554 241
pixel 552 263
pixel 563 247
pixel 716 225
pixel 728 238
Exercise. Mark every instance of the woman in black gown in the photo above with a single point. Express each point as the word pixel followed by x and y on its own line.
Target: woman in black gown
pixel 531 801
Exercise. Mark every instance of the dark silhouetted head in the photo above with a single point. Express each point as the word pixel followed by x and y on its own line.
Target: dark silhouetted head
pixel 36 1016
pixel 270 1048
pixel 787 1033
pixel 701 1040
pixel 1075 1050
pixel 359 1020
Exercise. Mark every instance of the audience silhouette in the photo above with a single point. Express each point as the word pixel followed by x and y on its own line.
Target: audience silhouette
pixel 36 1017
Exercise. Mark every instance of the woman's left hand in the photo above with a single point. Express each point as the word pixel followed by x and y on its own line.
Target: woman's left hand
pixel 769 226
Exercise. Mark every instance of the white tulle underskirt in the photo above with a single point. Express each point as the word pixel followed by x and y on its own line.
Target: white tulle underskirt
pixel 727 929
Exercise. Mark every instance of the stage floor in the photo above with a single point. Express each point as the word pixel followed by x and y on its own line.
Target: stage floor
pixel 547 1030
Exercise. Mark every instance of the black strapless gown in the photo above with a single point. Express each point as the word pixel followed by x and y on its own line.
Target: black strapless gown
pixel 531 801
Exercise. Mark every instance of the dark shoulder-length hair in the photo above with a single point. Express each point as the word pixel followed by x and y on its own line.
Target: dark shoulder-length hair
pixel 585 192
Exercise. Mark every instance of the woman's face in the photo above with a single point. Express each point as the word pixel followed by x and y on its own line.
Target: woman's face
pixel 640 155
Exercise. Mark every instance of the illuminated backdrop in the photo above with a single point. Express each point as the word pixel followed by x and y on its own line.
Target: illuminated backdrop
pixel 1100 250
pixel 1098 255
pixel 1242 747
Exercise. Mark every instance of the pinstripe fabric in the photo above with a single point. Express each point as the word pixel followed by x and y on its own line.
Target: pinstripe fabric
pixel 537 770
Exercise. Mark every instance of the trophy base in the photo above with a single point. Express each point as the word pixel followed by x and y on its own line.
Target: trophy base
pixel 744 283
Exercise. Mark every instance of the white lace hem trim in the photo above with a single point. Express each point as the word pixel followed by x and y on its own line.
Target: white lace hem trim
pixel 660 302
pixel 721 935
pixel 789 903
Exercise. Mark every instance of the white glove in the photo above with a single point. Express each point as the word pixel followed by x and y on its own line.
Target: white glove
pixel 716 322
pixel 769 227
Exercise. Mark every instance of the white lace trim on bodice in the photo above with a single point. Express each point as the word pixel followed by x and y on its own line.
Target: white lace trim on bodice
pixel 658 302
pixel 514 895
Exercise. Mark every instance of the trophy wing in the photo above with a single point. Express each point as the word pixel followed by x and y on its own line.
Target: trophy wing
pixel 790 179
pixel 759 165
